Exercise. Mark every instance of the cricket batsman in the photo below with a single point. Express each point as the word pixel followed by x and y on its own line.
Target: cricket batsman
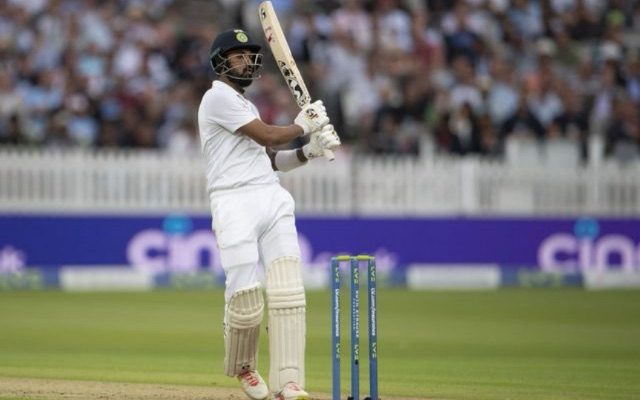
pixel 253 218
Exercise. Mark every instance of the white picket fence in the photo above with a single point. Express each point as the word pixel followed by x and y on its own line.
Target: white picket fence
pixel 152 182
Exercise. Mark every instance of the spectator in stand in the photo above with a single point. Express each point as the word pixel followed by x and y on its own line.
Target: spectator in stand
pixel 583 20
pixel 526 17
pixel 567 51
pixel 416 94
pixel 429 46
pixel 488 136
pixel 389 138
pixel 572 123
pixel 622 135
pixel 522 122
pixel 82 128
pixel 585 80
pixel 364 96
pixel 602 101
pixel 465 89
pixel 346 64
pixel 460 132
pixel 544 99
pixel 13 132
pixel 633 76
pixel 392 26
pixel 461 32
pixel 353 20
pixel 501 96
pixel 10 105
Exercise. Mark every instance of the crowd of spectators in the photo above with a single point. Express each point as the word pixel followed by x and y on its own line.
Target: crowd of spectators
pixel 398 77
pixel 101 74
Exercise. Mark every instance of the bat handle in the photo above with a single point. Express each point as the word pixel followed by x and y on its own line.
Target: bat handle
pixel 328 154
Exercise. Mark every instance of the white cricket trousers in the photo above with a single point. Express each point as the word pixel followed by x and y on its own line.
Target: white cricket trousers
pixel 252 224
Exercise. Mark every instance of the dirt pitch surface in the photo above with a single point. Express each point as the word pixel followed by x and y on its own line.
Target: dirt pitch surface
pixel 49 389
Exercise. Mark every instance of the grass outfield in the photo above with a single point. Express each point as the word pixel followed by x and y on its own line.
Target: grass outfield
pixel 507 344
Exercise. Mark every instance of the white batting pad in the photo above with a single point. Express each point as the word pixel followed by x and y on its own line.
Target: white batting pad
pixel 243 315
pixel 287 308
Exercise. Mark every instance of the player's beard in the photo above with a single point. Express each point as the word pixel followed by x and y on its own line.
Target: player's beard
pixel 243 83
pixel 244 80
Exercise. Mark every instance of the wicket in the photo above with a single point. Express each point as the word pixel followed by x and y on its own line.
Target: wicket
pixel 355 325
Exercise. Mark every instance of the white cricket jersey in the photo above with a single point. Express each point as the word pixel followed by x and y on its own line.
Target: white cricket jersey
pixel 233 159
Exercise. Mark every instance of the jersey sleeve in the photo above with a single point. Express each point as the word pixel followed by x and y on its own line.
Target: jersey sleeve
pixel 229 110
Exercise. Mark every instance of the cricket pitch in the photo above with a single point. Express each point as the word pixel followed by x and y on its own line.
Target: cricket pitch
pixel 50 389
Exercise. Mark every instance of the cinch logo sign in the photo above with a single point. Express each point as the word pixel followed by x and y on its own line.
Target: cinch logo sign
pixel 175 248
pixel 585 250
pixel 179 248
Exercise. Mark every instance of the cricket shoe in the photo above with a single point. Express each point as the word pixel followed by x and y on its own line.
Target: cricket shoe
pixel 253 385
pixel 291 391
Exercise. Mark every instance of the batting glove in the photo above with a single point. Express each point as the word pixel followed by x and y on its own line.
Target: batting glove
pixel 319 141
pixel 312 117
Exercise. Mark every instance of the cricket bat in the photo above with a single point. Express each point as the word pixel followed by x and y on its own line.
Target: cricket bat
pixel 284 59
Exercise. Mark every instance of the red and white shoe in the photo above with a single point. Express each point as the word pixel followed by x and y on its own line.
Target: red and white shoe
pixel 253 385
pixel 291 391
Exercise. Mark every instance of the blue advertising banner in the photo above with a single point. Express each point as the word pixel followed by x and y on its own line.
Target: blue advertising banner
pixel 181 243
